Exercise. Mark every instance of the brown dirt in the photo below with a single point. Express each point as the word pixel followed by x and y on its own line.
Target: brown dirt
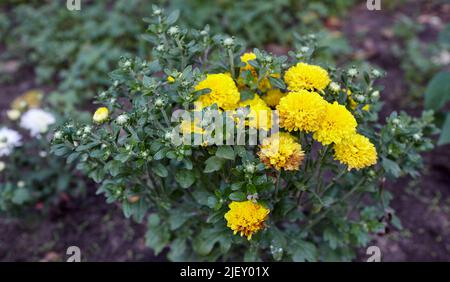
pixel 424 205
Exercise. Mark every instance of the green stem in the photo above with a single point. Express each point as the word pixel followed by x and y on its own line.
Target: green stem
pixel 343 199
pixel 231 58
pixel 277 186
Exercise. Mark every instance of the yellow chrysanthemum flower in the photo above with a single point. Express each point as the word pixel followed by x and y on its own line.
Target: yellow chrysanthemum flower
pixel 245 58
pixel 281 151
pixel 30 99
pixel 301 110
pixel 101 115
pixel 170 79
pixel 246 218
pixel 308 77
pixel 273 96
pixel 356 152
pixel 189 127
pixel 224 92
pixel 260 115
pixel 337 124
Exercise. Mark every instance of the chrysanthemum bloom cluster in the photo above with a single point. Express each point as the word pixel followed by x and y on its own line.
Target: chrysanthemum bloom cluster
pixel 246 218
pixel 307 111
pixel 281 151
pixel 304 76
pixel 224 92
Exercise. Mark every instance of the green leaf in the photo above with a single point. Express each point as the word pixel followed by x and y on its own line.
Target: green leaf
pixel 21 195
pixel 391 167
pixel 177 219
pixel 438 91
pixel 237 196
pixel 173 17
pixel 213 164
pixel 113 167
pixel 185 178
pixel 160 170
pixel 277 82
pixel 157 237
pixel 225 152
pixel 303 251
pixel 445 134
pixel 331 237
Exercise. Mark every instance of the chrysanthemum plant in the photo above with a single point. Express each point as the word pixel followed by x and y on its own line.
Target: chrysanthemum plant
pixel 311 188
pixel 31 179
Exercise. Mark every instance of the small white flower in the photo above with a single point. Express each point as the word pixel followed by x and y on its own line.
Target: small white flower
pixel 9 139
pixel 335 87
pixel 127 64
pixel 37 121
pixel 417 136
pixel 204 32
pixel 21 184
pixel 2 166
pixel 43 154
pixel 13 114
pixel 395 121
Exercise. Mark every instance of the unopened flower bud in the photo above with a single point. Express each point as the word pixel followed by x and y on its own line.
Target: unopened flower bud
pixel 159 102
pixel 375 95
pixel 173 30
pixel 335 87
pixel 122 119
pixel 353 72
pixel 250 168
pixel 228 42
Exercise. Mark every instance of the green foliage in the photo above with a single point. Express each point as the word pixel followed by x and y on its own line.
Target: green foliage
pixel 75 48
pixel 419 61
pixel 437 95
pixel 259 22
pixel 34 180
pixel 184 190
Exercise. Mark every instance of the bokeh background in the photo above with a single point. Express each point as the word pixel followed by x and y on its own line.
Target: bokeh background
pixel 61 59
